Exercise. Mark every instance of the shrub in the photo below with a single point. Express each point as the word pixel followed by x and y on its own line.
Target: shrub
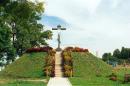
pixel 113 77
pixel 67 67
pixel 127 78
pixel 68 73
pixel 76 49
pixel 67 63
pixel 39 49
pixel 50 64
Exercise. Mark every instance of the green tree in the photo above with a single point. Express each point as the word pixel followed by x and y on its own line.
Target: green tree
pixel 20 28
pixel 6 47
pixel 23 17
pixel 124 53
pixel 106 56
pixel 117 53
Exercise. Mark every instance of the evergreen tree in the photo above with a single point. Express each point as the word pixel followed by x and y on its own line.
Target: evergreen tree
pixel 117 53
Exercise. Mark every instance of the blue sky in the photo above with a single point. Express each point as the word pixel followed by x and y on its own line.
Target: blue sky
pixel 99 25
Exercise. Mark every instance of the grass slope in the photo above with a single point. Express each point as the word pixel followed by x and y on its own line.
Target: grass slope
pixel 27 66
pixel 86 66
pixel 22 83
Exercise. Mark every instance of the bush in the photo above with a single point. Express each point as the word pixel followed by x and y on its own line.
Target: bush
pixel 113 77
pixel 67 67
pixel 68 73
pixel 76 49
pixel 67 63
pixel 39 49
pixel 50 64
pixel 127 78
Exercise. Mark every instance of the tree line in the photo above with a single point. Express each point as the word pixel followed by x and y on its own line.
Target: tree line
pixel 118 55
pixel 20 28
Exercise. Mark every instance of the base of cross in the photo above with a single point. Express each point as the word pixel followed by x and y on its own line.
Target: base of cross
pixel 58 49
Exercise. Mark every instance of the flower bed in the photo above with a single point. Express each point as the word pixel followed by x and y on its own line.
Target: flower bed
pixel 39 49
pixel 49 67
pixel 76 49
pixel 67 63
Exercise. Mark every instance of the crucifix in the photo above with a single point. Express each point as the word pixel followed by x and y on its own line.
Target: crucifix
pixel 58 39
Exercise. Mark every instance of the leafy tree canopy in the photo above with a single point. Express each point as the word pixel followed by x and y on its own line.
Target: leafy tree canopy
pixel 19 26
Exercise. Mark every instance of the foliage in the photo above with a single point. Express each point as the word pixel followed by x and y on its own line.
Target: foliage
pixel 49 67
pixel 67 63
pixel 113 77
pixel 20 28
pixel 76 49
pixel 118 56
pixel 39 49
pixel 117 53
pixel 106 56
pixel 127 78
pixel 6 48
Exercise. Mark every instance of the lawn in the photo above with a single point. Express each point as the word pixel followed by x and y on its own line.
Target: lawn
pixel 21 83
pixel 91 71
pixel 28 66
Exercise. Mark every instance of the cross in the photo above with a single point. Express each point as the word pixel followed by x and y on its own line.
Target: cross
pixel 58 39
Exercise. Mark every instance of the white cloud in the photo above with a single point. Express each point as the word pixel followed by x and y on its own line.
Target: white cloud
pixel 100 25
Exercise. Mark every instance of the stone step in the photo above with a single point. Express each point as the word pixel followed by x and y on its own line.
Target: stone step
pixel 58 68
pixel 58 65
pixel 58 73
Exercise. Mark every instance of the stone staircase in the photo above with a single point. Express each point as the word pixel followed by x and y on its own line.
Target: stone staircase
pixel 58 80
pixel 58 67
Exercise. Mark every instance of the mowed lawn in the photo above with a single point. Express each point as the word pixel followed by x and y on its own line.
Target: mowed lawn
pixel 29 66
pixel 21 83
pixel 91 71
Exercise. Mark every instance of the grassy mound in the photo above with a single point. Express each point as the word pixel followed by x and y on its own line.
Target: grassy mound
pixel 28 66
pixel 89 70
pixel 21 83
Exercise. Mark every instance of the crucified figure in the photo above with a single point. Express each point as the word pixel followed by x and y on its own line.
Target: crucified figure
pixel 58 39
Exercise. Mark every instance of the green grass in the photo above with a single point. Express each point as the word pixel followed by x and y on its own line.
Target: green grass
pixel 22 83
pixel 27 66
pixel 86 66
pixel 120 73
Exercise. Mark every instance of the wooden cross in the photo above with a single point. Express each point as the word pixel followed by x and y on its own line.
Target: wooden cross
pixel 58 39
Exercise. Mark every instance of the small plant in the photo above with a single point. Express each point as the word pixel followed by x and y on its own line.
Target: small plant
pixel 76 49
pixel 113 77
pixel 127 78
pixel 39 49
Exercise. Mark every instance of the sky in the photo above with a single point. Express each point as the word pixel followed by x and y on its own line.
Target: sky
pixel 99 25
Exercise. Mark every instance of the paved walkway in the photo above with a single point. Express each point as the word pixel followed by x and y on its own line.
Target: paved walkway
pixel 58 80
